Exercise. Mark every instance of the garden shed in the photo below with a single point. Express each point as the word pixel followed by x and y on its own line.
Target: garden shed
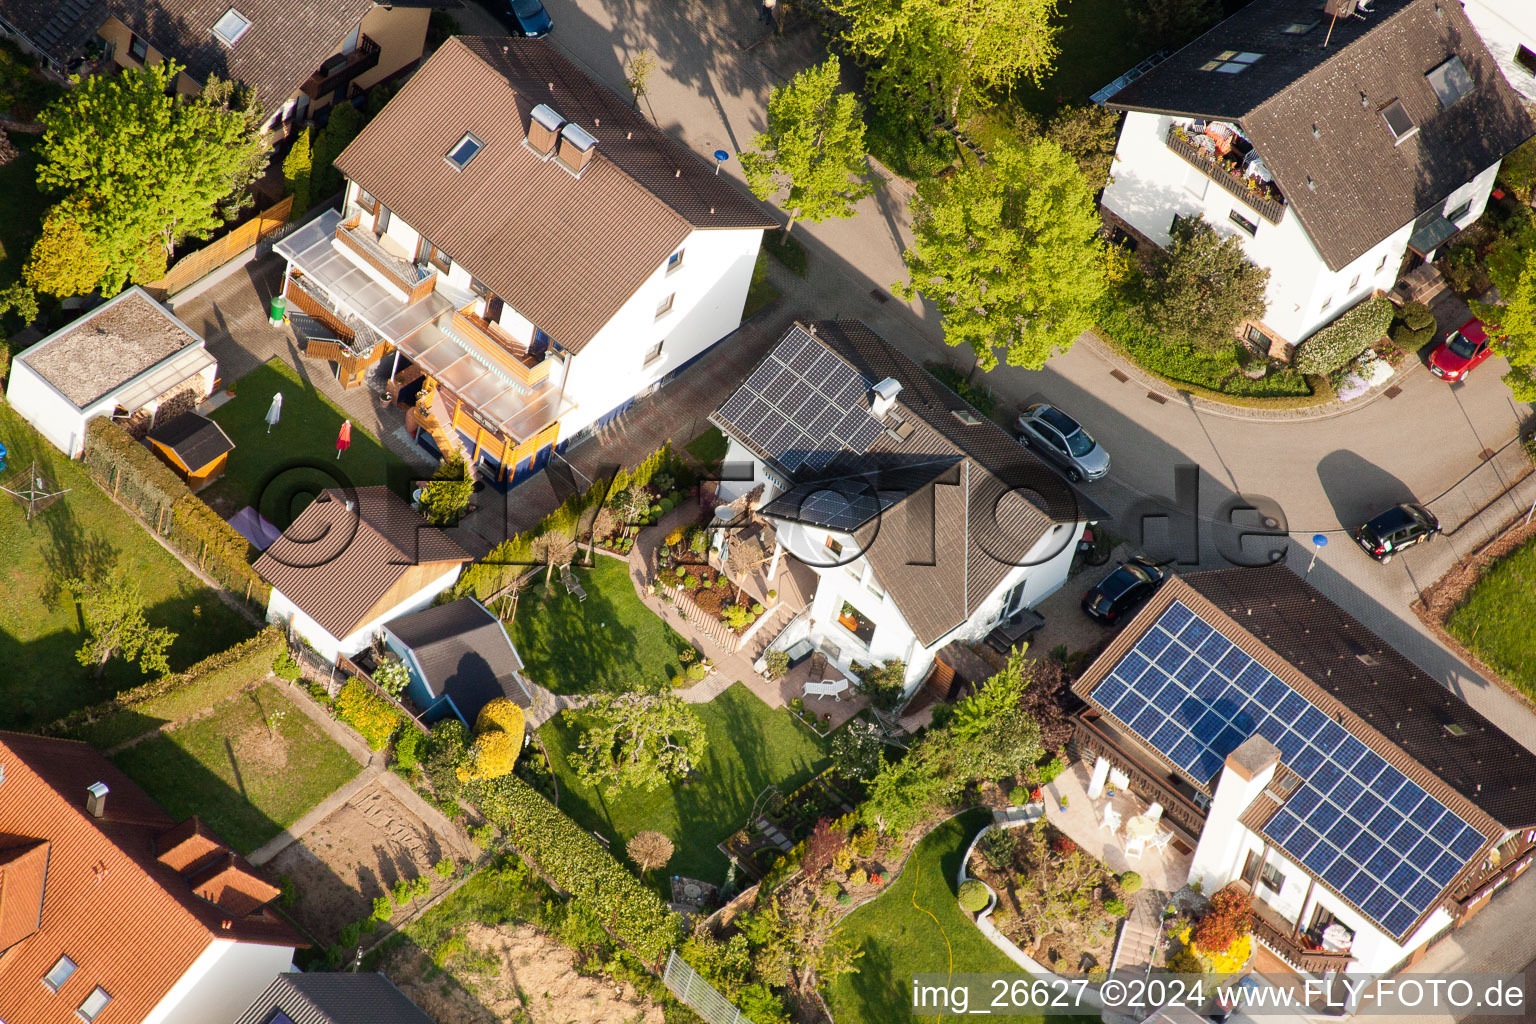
pixel 460 658
pixel 196 447
pixel 126 360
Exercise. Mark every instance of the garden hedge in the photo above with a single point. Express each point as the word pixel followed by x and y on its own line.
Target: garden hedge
pixel 143 709
pixel 1415 325
pixel 572 860
pixel 374 718
pixel 1335 345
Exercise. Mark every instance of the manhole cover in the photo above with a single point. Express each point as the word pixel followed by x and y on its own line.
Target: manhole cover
pixel 1122 378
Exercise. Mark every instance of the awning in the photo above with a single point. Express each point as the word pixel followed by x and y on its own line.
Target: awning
pixel 184 365
pixel 510 407
pixel 1431 234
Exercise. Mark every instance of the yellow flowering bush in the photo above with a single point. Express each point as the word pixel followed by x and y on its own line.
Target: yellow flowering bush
pixel 500 714
pixel 492 756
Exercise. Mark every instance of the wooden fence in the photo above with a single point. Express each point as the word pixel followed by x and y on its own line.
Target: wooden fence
pixel 196 265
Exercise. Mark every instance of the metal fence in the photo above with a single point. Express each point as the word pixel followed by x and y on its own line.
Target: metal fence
pixel 699 995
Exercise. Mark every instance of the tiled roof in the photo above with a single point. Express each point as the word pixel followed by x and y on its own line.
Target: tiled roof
pixel 961 502
pixel 564 252
pixel 1350 184
pixel 131 923
pixel 465 654
pixel 344 552
pixel 196 440
pixel 326 998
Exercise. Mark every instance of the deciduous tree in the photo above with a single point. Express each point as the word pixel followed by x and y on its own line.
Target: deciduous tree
pixel 1174 22
pixel 1515 338
pixel 112 607
pixel 950 53
pixel 857 751
pixel 636 739
pixel 145 165
pixel 1010 254
pixel 297 168
pixel 1204 286
pixel 65 258
pixel 649 850
pixel 813 148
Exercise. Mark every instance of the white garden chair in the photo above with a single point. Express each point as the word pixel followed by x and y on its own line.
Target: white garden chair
pixel 1154 811
pixel 1111 819
pixel 1134 848
pixel 1160 841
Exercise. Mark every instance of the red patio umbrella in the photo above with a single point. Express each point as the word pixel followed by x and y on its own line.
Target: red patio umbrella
pixel 344 439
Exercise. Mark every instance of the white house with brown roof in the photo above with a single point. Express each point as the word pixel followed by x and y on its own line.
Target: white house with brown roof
pixel 527 240
pixel 124 360
pixel 352 561
pixel 1508 28
pixel 1334 166
pixel 924 522
pixel 111 911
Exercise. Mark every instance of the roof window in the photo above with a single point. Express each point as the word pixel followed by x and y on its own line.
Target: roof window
pixel 1450 81
pixel 1300 28
pixel 1231 62
pixel 1396 116
pixel 464 151
pixel 59 973
pixel 94 1004
pixel 231 27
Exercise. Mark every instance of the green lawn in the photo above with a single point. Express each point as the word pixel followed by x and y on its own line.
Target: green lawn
pixel 1495 620
pixel 899 940
pixel 283 471
pixel 1099 42
pixel 83 532
pixel 610 641
pixel 229 771
pixel 709 448
pixel 750 746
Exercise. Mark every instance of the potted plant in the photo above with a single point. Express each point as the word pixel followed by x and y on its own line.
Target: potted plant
pixel 1062 800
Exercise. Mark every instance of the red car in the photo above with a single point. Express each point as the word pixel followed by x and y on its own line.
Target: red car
pixel 1461 350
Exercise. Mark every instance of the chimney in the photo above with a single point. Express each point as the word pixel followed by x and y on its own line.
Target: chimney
pixel 544 129
pixel 96 799
pixel 882 396
pixel 576 148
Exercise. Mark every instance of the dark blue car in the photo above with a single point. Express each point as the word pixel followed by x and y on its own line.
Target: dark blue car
pixel 1121 592
pixel 525 17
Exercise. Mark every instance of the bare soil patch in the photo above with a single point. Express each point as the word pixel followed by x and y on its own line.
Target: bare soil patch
pixel 260 747
pixel 356 854
pixel 511 974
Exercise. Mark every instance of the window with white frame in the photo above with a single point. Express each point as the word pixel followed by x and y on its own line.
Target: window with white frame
pixel 231 27
pixel 665 305
pixel 59 973
pixel 654 352
pixel 1461 211
pixel 1354 282
pixel 94 1003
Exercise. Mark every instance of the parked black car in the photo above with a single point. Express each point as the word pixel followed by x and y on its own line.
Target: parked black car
pixel 1401 526
pixel 1120 593
pixel 523 17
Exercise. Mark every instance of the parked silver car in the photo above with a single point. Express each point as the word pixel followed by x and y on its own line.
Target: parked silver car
pixel 1061 439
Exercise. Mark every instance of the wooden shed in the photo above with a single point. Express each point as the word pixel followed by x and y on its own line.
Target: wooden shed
pixel 196 448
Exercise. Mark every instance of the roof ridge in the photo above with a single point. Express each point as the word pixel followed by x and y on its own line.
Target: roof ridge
pixel 1343 47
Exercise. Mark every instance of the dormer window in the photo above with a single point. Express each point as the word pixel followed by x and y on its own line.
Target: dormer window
pixel 464 151
pixel 1396 116
pixel 59 973
pixel 1231 62
pixel 1451 81
pixel 231 27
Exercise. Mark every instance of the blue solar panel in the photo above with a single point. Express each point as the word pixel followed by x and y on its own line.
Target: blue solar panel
pixel 1355 821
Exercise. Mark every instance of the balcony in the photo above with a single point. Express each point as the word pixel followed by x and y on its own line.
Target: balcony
pixel 1261 197
pixel 415 280
pixel 1093 740
pixel 512 356
pixel 1297 950
pixel 341 69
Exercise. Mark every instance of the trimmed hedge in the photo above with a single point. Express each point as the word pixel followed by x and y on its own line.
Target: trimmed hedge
pixel 1335 345
pixel 572 860
pixel 135 476
pixel 1415 325
pixel 143 709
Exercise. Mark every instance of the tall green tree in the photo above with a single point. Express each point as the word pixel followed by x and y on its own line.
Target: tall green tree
pixel 297 168
pixel 1515 338
pixel 1204 286
pixel 144 166
pixel 636 739
pixel 813 149
pixel 112 607
pixel 1010 253
pixel 240 100
pixel 949 54
pixel 1174 22
pixel 66 259
pixel 344 124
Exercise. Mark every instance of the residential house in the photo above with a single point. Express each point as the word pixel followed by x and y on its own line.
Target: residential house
pixel 1508 29
pixel 125 360
pixel 352 561
pixel 529 242
pixel 1337 150
pixel 1366 807
pixel 459 657
pixel 333 998
pixel 299 60
pixel 110 910
pixel 924 521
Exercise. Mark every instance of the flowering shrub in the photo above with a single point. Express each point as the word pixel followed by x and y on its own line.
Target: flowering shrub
pixel 1063 845
pixel 492 756
pixel 501 714
pixel 372 716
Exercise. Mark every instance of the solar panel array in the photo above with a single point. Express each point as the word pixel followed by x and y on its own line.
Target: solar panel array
pixel 1355 821
pixel 802 405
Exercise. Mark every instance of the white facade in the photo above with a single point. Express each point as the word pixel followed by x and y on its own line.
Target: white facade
pixel 222 983
pixel 283 611
pixel 1507 27
pixel 1151 184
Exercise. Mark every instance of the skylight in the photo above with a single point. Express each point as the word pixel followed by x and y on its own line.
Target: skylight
pixel 1398 121
pixel 1450 81
pixel 1231 62
pixel 464 151
pixel 1299 28
pixel 231 27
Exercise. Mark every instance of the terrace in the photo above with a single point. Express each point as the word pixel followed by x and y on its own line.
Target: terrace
pixel 1230 161
pixel 341 69
pixel 1299 948
pixel 1166 870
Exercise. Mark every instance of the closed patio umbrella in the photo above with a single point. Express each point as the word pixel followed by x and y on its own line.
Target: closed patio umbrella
pixel 344 439
pixel 274 411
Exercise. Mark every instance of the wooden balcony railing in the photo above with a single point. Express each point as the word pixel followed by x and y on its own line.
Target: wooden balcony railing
pixel 523 367
pixel 1090 742
pixel 1264 204
pixel 415 280
pixel 307 303
pixel 335 75
pixel 1277 933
